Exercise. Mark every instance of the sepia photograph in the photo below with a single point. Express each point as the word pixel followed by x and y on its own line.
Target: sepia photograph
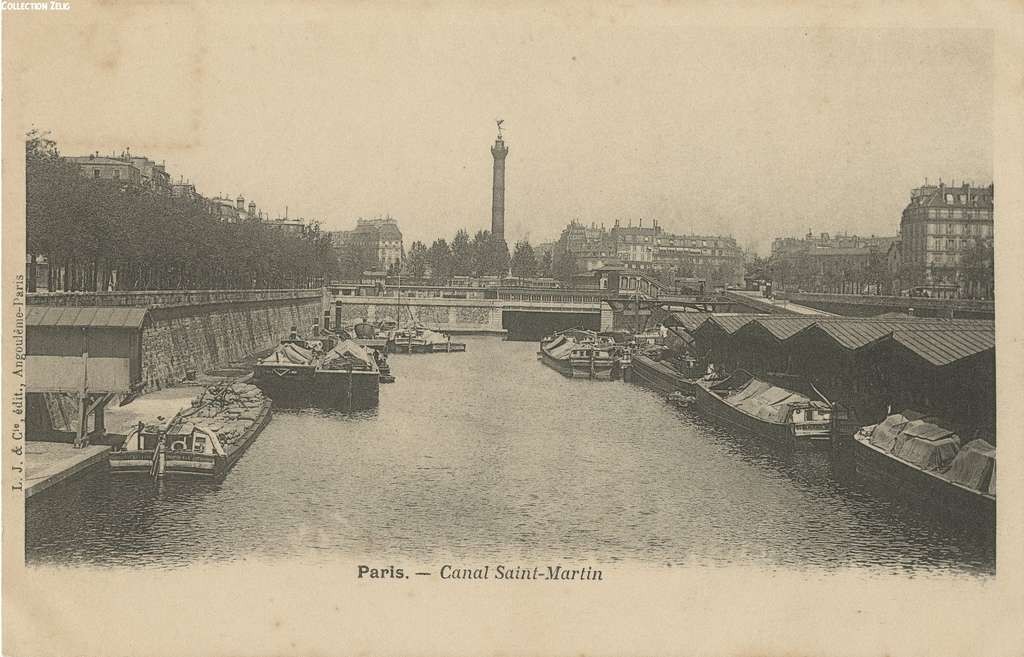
pixel 447 301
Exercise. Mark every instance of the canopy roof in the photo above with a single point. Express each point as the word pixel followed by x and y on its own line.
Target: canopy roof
pixel 938 342
pixel 125 317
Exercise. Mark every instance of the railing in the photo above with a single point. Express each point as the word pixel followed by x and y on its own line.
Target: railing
pixel 552 297
pixel 165 298
pixel 975 305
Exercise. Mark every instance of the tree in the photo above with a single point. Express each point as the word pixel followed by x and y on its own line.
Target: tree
pixel 978 265
pixel 544 265
pixel 913 273
pixel 462 254
pixel 563 266
pixel 490 255
pixel 418 260
pixel 440 258
pixel 108 234
pixel 524 261
pixel 757 268
pixel 354 259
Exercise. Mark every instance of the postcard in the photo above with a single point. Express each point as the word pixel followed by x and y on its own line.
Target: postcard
pixel 441 328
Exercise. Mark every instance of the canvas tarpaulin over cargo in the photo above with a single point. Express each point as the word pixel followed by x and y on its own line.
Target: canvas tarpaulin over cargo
pixel 347 353
pixel 885 432
pixel 974 466
pixel 291 354
pixel 926 445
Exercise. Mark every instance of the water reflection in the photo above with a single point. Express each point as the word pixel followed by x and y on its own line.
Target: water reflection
pixel 489 455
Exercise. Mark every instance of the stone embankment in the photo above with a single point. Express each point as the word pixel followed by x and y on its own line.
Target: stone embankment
pixel 201 330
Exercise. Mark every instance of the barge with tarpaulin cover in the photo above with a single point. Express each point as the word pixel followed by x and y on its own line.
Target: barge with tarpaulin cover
pixel 421 340
pixel 367 336
pixel 578 354
pixel 205 440
pixel 921 462
pixel 666 376
pixel 768 410
pixel 320 372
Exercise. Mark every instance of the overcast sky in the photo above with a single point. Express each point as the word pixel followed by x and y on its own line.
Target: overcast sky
pixel 346 112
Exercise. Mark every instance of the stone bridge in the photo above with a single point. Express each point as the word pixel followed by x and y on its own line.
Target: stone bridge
pixel 520 313
pixel 520 317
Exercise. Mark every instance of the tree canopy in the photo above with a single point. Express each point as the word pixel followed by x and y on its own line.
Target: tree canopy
pixel 524 261
pixel 99 235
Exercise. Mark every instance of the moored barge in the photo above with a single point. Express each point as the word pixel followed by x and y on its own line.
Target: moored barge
pixel 421 340
pixel 917 460
pixel 578 354
pixel 204 440
pixel 307 373
pixel 749 403
pixel 660 375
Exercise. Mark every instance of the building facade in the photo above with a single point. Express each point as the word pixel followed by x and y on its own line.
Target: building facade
pixel 938 227
pixel 127 169
pixel 831 263
pixel 715 258
pixel 379 237
pixel 117 169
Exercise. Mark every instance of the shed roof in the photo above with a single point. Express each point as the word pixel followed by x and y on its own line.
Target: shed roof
pixel 125 317
pixel 853 335
pixel 937 341
pixel 782 328
pixel 944 347
pixel 732 323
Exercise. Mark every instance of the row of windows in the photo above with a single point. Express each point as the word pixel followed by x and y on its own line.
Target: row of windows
pixel 950 213
pixel 914 231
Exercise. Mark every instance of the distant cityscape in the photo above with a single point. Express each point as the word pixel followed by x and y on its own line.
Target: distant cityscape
pixel 942 245
pixel 147 174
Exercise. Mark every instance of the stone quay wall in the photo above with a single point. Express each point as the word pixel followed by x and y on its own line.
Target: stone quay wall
pixel 201 338
pixel 203 330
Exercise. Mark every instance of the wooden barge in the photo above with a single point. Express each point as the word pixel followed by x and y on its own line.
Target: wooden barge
pixel 660 376
pixel 183 448
pixel 578 354
pixel 301 373
pixel 783 415
pixel 918 461
pixel 420 340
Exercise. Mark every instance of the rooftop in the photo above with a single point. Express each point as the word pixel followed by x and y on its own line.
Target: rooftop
pixel 86 316
pixel 939 342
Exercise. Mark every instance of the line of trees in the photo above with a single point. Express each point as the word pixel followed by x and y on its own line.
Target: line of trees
pixel 481 255
pixel 839 274
pixel 102 235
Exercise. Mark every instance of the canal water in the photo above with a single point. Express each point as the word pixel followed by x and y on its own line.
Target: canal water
pixel 489 455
